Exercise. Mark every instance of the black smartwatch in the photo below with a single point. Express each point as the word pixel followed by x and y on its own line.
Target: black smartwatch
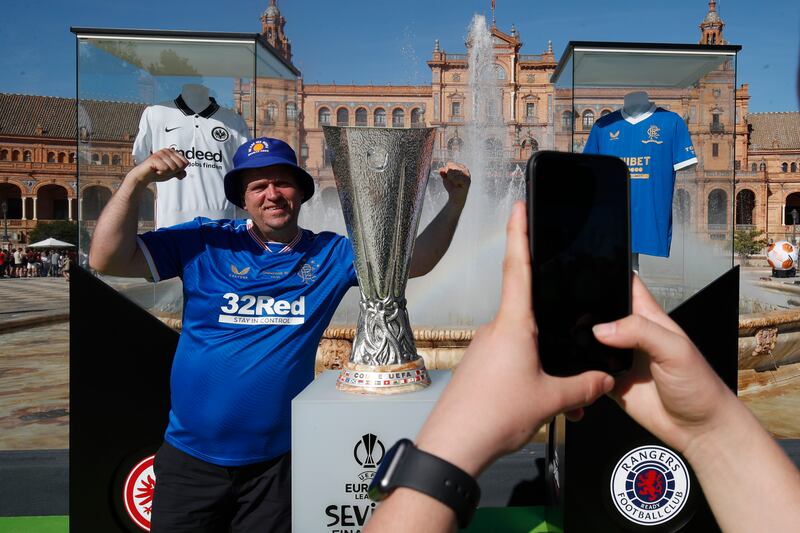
pixel 406 466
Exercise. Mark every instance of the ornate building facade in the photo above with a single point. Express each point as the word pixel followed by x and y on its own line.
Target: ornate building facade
pixel 38 166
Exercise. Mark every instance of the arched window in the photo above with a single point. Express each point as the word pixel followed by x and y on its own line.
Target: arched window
pixel 762 166
pixel 62 157
pixel 682 207
pixel 95 159
pixel 291 111
pixel 51 157
pixel 3 155
pixel 116 160
pixel 361 117
pixel 342 117
pixel 15 155
pixel 417 120
pixel 499 72
pixel 745 204
pixel 794 167
pixel 105 159
pixel 27 156
pixel 146 206
pixel 529 146
pixel 379 118
pixel 717 209
pixel 792 204
pixel 566 120
pixel 784 167
pixel 272 113
pixel 326 154
pixel 52 203
pixel 753 167
pixel 324 116
pixel 72 157
pixel 454 146
pixel 95 199
pixel 398 118
pixel 588 119
pixel 11 195
pixel 605 112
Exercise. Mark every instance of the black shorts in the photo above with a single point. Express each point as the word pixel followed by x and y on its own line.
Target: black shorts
pixel 199 497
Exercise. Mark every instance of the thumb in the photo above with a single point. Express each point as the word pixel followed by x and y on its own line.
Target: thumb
pixel 635 331
pixel 583 389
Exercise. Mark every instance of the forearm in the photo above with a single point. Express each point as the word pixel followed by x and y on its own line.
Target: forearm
pixel 114 249
pixel 409 511
pixel 750 483
pixel 433 242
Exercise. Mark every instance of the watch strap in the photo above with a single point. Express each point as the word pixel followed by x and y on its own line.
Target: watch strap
pixel 441 480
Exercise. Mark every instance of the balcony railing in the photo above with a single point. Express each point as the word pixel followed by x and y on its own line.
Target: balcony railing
pixel 531 57
pixel 716 127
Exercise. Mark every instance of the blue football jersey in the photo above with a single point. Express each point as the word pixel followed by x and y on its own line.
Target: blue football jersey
pixel 253 317
pixel 654 146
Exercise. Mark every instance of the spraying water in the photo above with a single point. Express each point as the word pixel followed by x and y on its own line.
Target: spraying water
pixel 463 290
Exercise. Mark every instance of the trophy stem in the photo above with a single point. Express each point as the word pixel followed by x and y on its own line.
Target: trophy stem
pixel 384 359
pixel 383 336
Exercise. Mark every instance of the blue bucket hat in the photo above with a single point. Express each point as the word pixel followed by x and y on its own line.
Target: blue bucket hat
pixel 261 153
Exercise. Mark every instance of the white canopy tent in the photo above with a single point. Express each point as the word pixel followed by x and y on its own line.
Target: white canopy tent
pixel 51 243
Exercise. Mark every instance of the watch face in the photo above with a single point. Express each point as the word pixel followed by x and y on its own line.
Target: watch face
pixel 382 483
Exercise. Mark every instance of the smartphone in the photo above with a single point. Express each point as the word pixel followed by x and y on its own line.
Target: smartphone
pixel 579 231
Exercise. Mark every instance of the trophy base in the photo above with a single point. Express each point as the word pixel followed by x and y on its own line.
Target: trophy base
pixel 383 379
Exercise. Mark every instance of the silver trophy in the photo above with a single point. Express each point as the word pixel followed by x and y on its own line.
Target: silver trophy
pixel 381 175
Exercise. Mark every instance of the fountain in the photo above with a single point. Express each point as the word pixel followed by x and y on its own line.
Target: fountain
pixel 462 292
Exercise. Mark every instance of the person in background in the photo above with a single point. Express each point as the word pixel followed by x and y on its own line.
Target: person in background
pixel 500 397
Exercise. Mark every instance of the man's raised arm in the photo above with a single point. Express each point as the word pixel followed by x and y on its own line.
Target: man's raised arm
pixel 434 241
pixel 114 250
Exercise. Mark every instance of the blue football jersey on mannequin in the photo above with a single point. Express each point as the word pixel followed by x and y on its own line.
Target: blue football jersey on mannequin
pixel 654 145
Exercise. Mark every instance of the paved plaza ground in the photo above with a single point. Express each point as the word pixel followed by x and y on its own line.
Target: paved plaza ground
pixel 34 364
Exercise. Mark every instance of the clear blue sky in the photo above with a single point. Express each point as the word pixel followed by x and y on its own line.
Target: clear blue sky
pixel 388 42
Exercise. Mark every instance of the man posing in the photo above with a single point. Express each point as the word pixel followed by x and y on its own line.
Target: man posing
pixel 258 294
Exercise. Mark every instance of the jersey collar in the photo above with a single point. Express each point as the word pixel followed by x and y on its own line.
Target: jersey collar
pixel 638 118
pixel 205 113
pixel 290 246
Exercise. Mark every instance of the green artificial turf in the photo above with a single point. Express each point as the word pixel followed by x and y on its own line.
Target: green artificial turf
pixel 34 524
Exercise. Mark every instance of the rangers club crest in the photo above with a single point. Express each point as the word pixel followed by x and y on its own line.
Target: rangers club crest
pixel 137 493
pixel 650 485
pixel 653 135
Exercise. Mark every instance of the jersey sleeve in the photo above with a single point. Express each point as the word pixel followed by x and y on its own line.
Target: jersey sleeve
pixel 682 149
pixel 592 143
pixel 349 260
pixel 243 133
pixel 143 145
pixel 169 250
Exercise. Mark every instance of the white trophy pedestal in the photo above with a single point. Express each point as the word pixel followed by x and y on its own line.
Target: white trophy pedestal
pixel 332 448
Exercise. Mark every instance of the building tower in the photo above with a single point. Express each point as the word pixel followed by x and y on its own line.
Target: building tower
pixel 711 27
pixel 272 24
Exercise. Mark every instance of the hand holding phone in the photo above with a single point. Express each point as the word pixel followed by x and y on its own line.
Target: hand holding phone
pixel 579 230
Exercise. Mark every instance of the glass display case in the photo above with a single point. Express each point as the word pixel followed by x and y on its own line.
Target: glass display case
pixel 670 112
pixel 202 94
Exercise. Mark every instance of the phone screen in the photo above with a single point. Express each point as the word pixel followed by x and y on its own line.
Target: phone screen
pixel 578 215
